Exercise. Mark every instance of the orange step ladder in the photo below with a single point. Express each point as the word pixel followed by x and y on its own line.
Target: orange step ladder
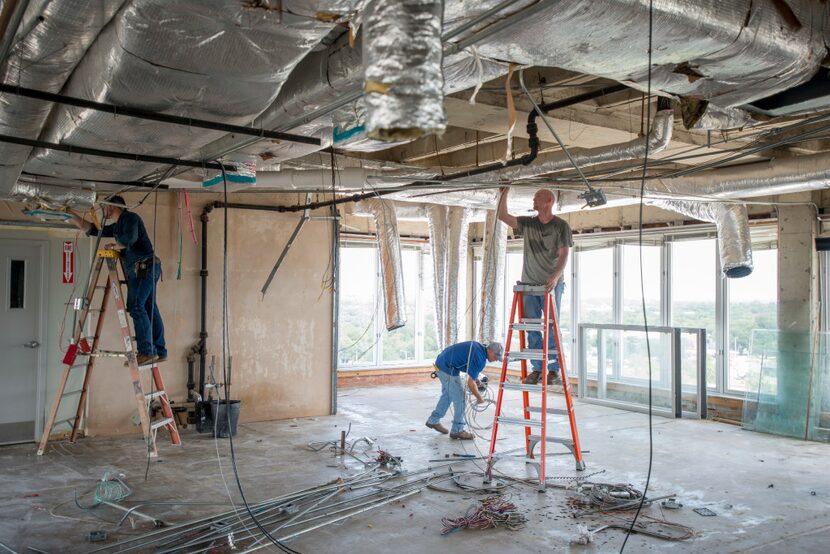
pixel 80 346
pixel 544 325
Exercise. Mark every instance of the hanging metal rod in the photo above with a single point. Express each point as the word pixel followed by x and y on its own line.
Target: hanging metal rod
pixel 139 113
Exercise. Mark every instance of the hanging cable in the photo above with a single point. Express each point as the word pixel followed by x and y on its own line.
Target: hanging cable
pixel 643 290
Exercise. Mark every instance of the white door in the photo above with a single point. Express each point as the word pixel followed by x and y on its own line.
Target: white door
pixel 20 338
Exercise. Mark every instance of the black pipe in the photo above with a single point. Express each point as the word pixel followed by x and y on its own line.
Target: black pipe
pixel 138 113
pixel 161 160
pixel 203 275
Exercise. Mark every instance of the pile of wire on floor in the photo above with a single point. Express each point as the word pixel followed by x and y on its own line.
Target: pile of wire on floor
pixel 491 512
pixel 288 516
pixel 613 503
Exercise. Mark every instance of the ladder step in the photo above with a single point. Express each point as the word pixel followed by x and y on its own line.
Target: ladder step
pixel 520 421
pixel 557 440
pixel 161 423
pixel 109 354
pixel 535 290
pixel 521 386
pixel 552 411
pixel 153 395
pixel 527 326
pixel 530 354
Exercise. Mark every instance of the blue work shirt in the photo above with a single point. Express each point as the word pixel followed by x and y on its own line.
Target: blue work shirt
pixel 129 232
pixel 453 359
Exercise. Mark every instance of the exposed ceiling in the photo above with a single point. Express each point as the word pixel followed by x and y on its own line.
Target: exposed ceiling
pixel 297 66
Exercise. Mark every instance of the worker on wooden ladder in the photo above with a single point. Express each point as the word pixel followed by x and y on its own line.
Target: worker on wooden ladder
pixel 547 241
pixel 143 270
pixel 464 358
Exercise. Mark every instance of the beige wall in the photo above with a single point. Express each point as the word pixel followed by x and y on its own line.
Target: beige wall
pixel 281 344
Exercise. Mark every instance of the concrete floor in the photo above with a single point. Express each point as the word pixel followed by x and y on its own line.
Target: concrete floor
pixel 770 494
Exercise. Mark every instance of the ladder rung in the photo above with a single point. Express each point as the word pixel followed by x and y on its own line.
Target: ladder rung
pixel 145 367
pixel 70 393
pixel 153 395
pixel 530 354
pixel 161 423
pixel 521 386
pixel 536 290
pixel 109 354
pixel 519 421
pixel 552 411
pixel 527 326
pixel 557 440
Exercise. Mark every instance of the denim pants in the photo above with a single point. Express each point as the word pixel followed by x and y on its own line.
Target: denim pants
pixel 141 303
pixel 534 308
pixel 452 392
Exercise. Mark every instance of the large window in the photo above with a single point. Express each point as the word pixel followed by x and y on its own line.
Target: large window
pixel 693 294
pixel 753 319
pixel 364 340
pixel 632 303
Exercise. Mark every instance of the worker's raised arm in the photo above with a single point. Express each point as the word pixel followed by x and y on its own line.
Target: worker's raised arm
pixel 501 209
pixel 80 222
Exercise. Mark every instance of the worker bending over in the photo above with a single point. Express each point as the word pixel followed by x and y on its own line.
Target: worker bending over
pixel 547 244
pixel 143 271
pixel 467 358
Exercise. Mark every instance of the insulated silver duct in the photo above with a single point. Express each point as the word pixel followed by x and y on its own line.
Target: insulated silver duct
pixel 391 265
pixel 402 56
pixel 52 196
pixel 703 115
pixel 458 219
pixel 437 217
pixel 52 39
pixel 492 278
pixel 217 60
pixel 734 241
pixel 730 52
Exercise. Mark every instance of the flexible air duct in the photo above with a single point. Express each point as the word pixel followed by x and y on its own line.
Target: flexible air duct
pixel 734 241
pixel 52 196
pixel 438 219
pixel 402 56
pixel 458 219
pixel 492 279
pixel 391 265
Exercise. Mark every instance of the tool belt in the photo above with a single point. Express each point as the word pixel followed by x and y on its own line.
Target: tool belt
pixel 144 268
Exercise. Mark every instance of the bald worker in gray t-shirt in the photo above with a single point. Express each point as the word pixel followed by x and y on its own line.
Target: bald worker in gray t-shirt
pixel 547 244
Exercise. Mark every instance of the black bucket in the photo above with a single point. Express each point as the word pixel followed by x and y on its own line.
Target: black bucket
pixel 217 420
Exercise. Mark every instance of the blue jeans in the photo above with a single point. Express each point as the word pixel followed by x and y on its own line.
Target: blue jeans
pixel 452 392
pixel 534 308
pixel 141 303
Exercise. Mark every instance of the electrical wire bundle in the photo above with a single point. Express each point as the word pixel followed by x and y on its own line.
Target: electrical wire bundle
pixel 492 512
pixel 473 410
pixel 607 497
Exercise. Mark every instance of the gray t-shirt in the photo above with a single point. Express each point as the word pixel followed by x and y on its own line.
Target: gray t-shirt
pixel 541 247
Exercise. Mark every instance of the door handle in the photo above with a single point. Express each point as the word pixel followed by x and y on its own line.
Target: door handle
pixel 31 344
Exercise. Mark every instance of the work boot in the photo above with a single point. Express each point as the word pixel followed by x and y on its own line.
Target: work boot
pixel 533 378
pixel 141 359
pixel 438 427
pixel 161 359
pixel 553 379
pixel 462 435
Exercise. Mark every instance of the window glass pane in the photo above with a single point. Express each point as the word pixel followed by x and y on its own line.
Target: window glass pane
pixel 17 284
pixel 565 321
pixel 632 291
pixel 753 313
pixel 596 286
pixel 596 303
pixel 693 292
pixel 399 345
pixel 357 305
pixel 428 299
